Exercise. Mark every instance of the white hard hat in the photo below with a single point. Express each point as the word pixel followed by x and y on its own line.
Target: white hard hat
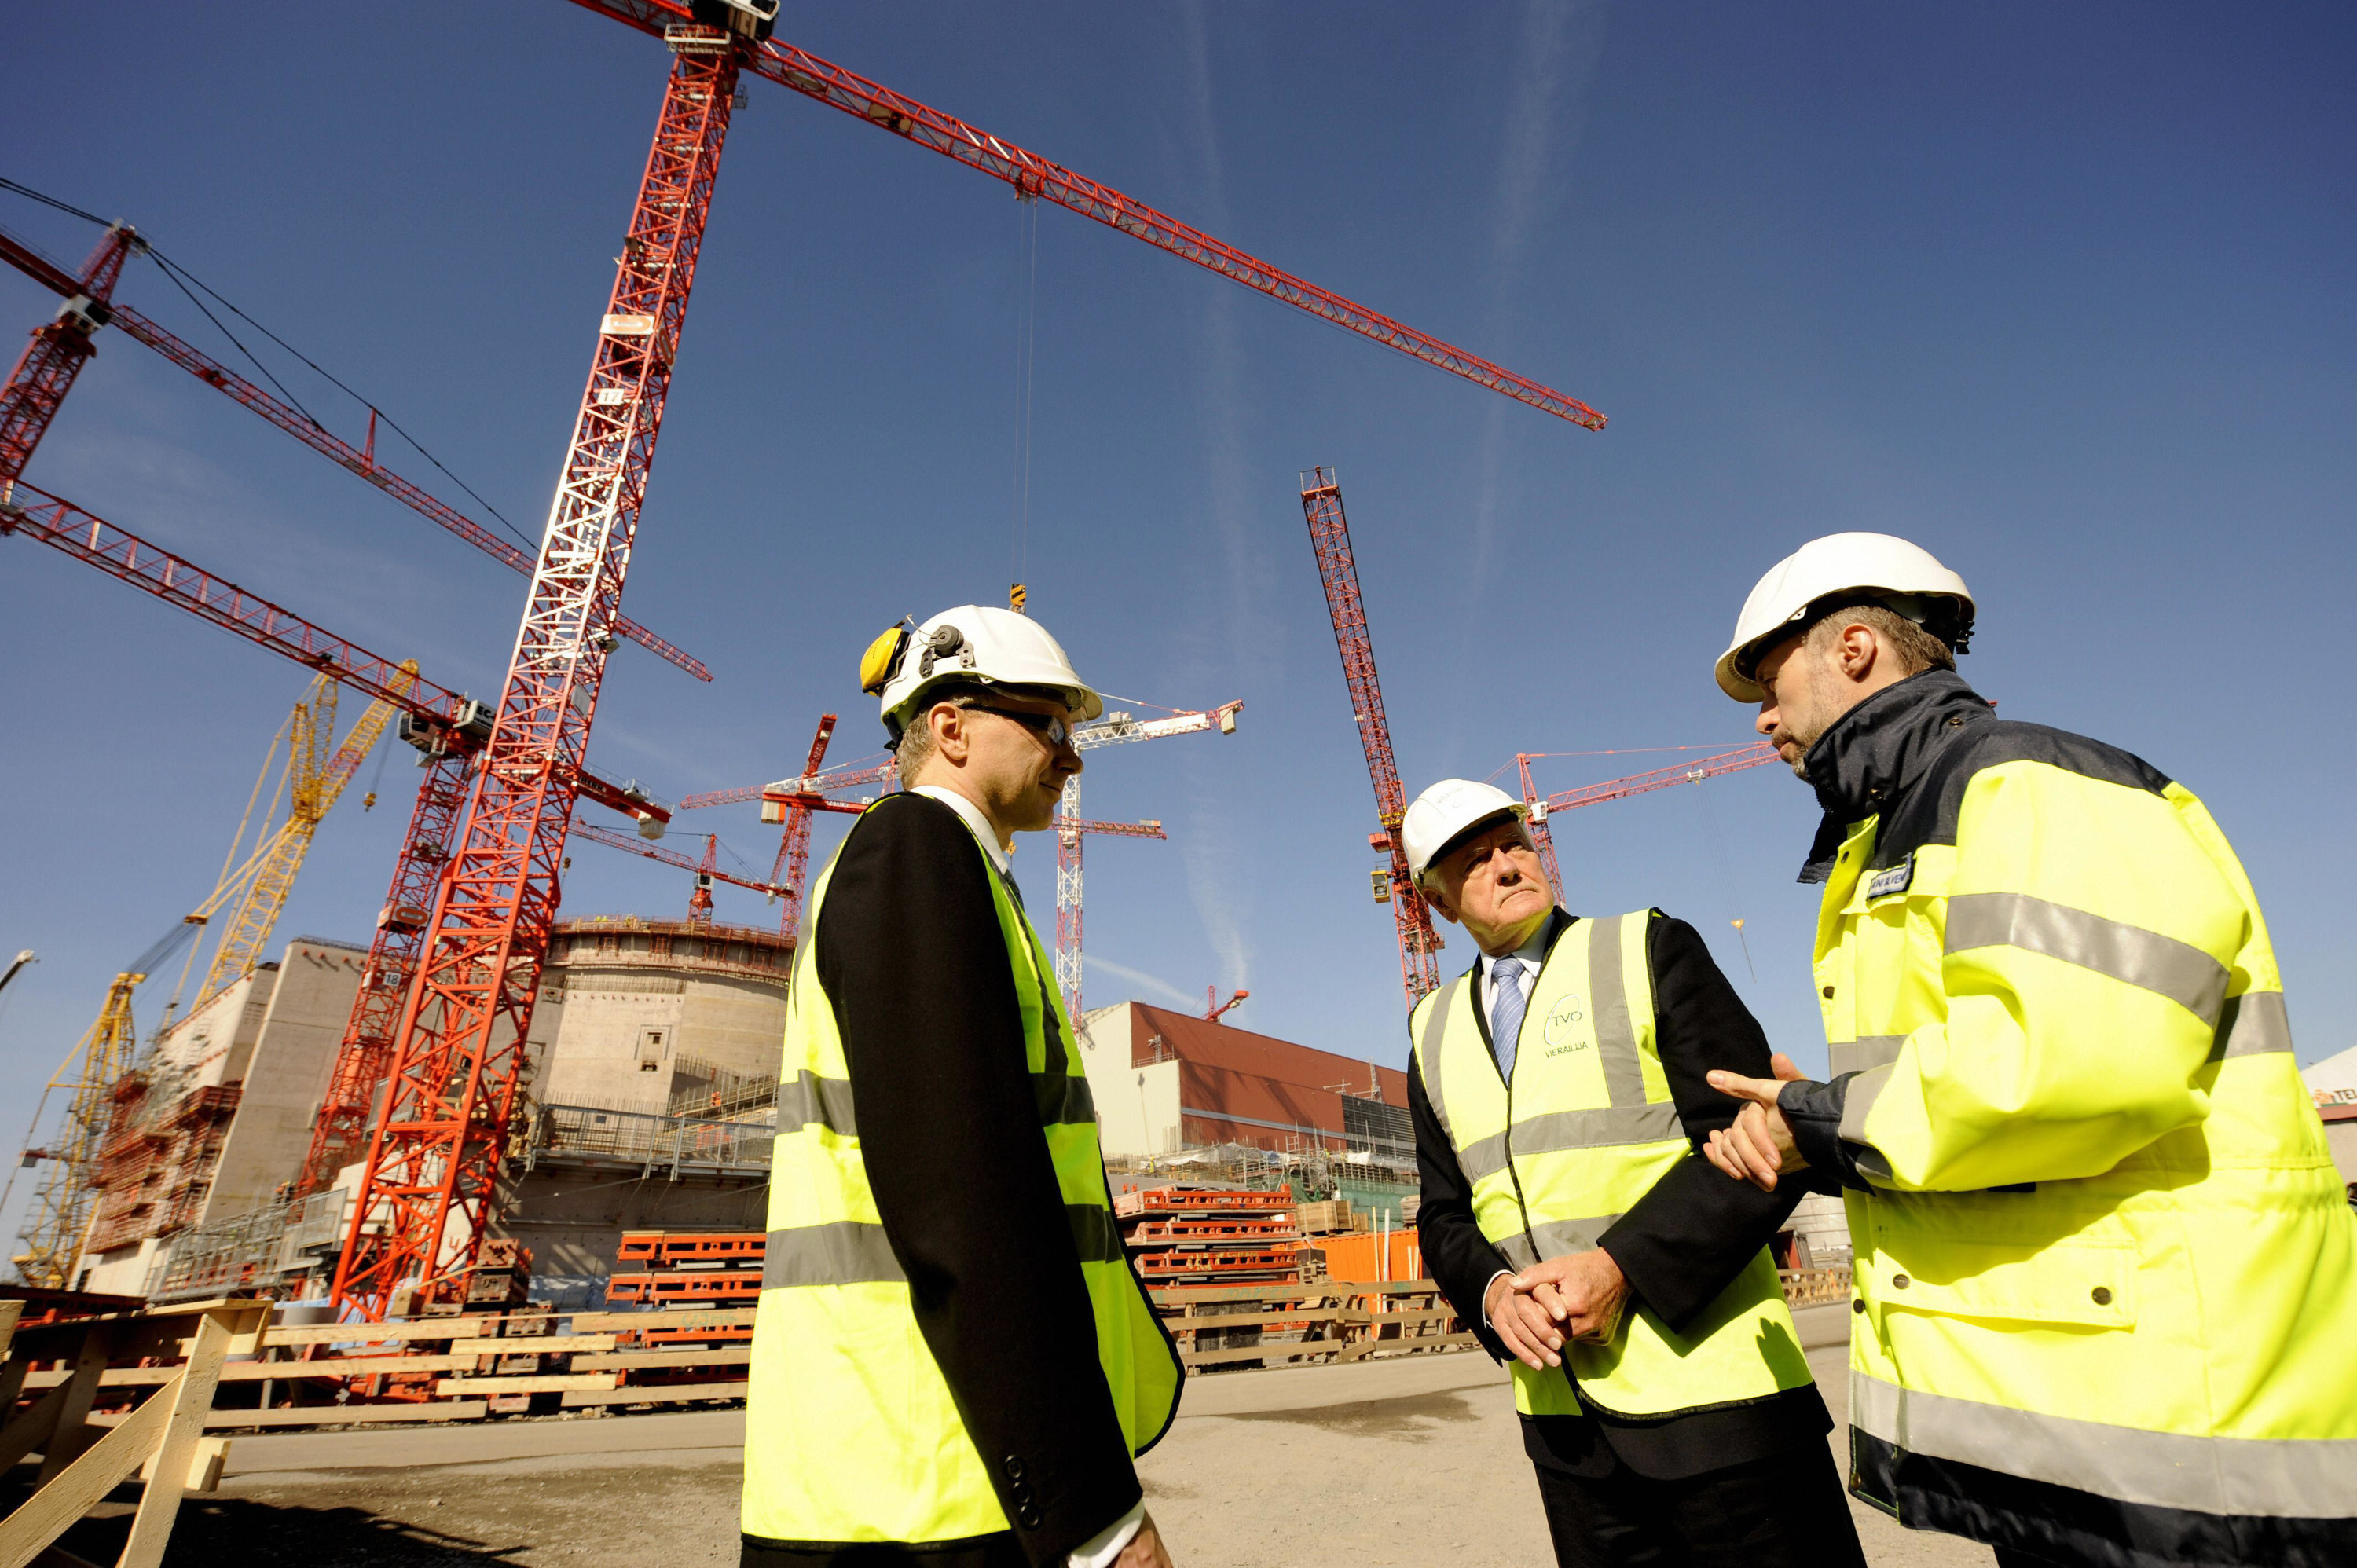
pixel 1441 815
pixel 974 643
pixel 1877 565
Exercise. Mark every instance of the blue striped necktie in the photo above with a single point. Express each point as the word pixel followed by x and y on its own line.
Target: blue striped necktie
pixel 1506 1013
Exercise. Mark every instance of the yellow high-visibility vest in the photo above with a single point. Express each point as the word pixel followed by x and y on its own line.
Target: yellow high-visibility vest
pixel 2104 1247
pixel 851 1434
pixel 1585 1130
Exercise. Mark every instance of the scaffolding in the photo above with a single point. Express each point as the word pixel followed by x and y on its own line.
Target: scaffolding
pixel 676 1144
pixel 700 1088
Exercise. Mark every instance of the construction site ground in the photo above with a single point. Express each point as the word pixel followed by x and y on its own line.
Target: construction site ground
pixel 1408 1461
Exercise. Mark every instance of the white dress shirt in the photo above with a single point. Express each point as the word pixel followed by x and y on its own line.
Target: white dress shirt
pixel 964 807
pixel 1105 1546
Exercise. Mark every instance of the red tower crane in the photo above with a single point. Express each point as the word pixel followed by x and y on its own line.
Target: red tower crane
pixel 1330 536
pixel 791 872
pixel 699 902
pixel 447 729
pixel 1543 807
pixel 432 1172
pixel 1035 176
pixel 47 369
pixel 33 407
pixel 431 1176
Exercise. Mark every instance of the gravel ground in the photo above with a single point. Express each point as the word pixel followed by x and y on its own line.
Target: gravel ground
pixel 1399 1462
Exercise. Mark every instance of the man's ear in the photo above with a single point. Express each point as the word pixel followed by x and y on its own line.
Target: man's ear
pixel 1440 904
pixel 950 738
pixel 1857 650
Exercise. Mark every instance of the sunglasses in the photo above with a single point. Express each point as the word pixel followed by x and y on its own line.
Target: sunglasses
pixel 1049 727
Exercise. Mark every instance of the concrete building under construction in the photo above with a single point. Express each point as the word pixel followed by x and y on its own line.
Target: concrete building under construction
pixel 216 1118
pixel 654 1098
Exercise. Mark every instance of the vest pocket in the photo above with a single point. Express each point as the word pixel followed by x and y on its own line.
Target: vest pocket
pixel 2086 1285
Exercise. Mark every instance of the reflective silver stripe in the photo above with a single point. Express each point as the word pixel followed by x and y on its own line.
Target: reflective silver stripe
pixel 2179 970
pixel 848 1252
pixel 1436 1024
pixel 1857 1100
pixel 1063 1099
pixel 2251 1024
pixel 1599 1127
pixel 851 1252
pixel 1616 1036
pixel 1555 1238
pixel 2275 1478
pixel 1094 1232
pixel 807 1098
pixel 1866 1051
pixel 1482 1159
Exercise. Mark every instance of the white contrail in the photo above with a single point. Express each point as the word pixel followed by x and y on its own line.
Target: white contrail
pixel 1162 988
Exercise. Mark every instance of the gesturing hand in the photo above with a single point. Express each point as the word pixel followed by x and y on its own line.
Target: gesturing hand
pixel 1760 1145
pixel 1584 1291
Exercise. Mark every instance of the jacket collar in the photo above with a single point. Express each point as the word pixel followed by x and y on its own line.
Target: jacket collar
pixel 1875 753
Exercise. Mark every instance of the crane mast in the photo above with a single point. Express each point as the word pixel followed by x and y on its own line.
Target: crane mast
pixel 1330 536
pixel 432 1173
pixel 45 372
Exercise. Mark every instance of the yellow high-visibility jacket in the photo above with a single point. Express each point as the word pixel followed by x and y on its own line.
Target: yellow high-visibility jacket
pixel 926 1377
pixel 2105 1267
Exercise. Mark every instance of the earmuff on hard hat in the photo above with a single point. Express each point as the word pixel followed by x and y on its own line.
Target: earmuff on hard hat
pixel 883 658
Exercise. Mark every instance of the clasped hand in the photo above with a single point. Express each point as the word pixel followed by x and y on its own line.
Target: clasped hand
pixel 1580 1295
pixel 1759 1146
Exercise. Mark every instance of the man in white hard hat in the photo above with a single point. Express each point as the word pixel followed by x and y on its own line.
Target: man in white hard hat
pixel 2106 1283
pixel 1558 1092
pixel 956 1365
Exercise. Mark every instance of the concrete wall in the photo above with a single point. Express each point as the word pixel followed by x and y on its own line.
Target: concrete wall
pixel 573 1220
pixel 1137 1106
pixel 622 1003
pixel 286 1072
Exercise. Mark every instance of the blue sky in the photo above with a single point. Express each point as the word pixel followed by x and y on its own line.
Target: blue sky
pixel 2062 294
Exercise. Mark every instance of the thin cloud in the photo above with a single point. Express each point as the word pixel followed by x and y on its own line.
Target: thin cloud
pixel 1162 989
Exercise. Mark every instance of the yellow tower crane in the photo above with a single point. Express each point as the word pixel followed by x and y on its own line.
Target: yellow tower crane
pixel 313 780
pixel 51 1237
pixel 309 782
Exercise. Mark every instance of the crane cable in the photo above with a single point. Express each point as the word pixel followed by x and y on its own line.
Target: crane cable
pixel 181 278
pixel 1027 347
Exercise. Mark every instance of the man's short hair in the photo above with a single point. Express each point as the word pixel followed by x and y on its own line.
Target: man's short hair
pixel 1915 649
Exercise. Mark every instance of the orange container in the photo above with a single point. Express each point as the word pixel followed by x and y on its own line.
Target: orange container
pixel 1372 1255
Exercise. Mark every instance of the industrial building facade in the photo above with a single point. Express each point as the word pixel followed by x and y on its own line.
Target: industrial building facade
pixel 1164 1082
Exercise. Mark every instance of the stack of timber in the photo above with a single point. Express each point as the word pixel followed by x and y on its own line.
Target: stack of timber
pixel 1326 1219
pixel 1236 1327
pixel 1211 1236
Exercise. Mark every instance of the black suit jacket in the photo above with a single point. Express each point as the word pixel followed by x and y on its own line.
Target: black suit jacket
pixel 910 957
pixel 1682 1244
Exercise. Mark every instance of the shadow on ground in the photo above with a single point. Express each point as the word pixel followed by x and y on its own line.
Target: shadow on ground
pixel 215 1532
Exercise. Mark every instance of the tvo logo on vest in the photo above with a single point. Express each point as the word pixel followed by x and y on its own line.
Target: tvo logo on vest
pixel 1564 1032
